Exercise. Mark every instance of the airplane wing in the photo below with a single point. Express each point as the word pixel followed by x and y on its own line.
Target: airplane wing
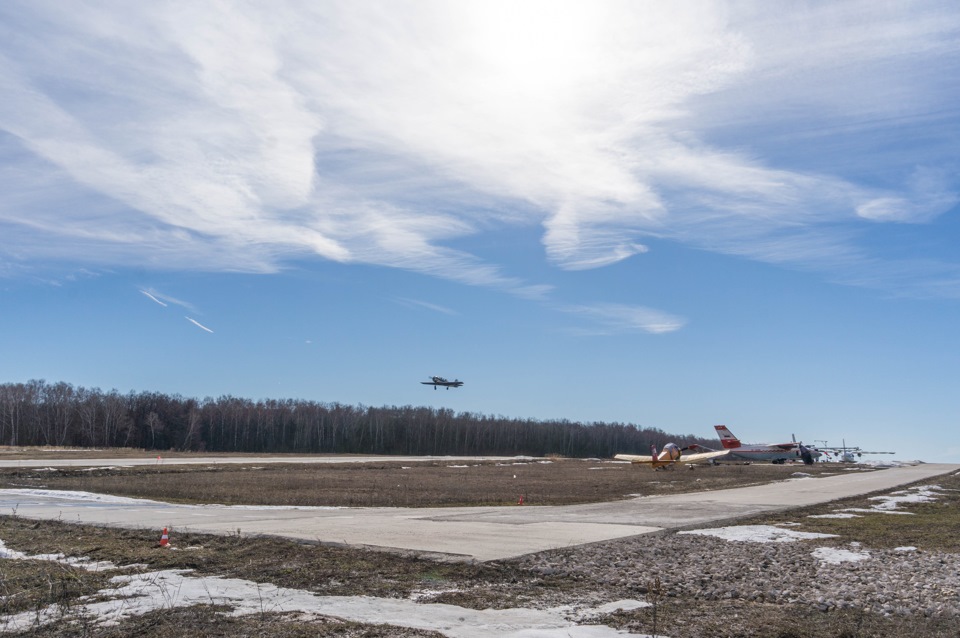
pixel 684 458
pixel 852 450
pixel 634 458
pixel 703 456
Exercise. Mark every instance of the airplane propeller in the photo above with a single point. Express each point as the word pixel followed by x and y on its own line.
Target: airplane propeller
pixel 805 454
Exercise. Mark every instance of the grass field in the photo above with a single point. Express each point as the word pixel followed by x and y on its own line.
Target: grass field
pixel 32 585
pixel 421 484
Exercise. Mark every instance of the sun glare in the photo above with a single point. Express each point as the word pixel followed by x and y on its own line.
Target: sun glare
pixel 535 47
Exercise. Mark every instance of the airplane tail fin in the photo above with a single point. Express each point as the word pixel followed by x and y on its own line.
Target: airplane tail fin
pixel 727 439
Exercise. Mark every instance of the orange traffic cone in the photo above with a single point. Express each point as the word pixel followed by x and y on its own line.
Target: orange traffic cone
pixel 520 502
pixel 164 538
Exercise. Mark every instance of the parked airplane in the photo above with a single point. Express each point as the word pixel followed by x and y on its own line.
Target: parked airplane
pixel 671 455
pixel 773 452
pixel 847 454
pixel 435 381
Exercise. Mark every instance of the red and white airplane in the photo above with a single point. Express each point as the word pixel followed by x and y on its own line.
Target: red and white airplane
pixel 773 452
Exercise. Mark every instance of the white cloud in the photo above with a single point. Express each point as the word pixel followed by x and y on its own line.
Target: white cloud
pixel 610 318
pixel 415 303
pixel 930 196
pixel 236 138
pixel 165 299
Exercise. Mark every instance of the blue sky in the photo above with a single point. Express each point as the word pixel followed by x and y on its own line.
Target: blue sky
pixel 674 215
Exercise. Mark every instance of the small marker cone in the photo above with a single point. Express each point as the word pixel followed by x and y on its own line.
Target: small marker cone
pixel 164 538
pixel 520 502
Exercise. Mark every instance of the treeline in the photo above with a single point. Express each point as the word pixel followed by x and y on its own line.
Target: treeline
pixel 38 413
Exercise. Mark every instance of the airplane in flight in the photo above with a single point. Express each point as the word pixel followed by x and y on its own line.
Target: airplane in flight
pixel 671 455
pixel 435 381
pixel 773 452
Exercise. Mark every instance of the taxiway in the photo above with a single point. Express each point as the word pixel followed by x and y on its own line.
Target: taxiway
pixel 459 533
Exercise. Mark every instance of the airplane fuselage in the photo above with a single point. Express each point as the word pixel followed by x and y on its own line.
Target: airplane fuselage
pixel 769 453
pixel 772 452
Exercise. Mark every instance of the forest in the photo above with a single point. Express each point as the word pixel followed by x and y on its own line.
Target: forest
pixel 38 413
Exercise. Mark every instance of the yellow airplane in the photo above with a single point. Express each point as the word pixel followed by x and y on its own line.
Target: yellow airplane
pixel 671 455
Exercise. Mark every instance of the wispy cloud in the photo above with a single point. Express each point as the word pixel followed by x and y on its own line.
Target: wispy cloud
pixel 928 197
pixel 410 303
pixel 610 318
pixel 198 324
pixel 165 300
pixel 381 134
pixel 153 298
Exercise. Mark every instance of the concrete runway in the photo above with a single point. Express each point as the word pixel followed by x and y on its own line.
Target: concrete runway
pixel 462 533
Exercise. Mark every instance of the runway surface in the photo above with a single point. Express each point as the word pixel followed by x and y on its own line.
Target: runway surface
pixel 461 533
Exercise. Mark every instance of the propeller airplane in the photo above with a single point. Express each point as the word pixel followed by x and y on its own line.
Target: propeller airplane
pixel 440 381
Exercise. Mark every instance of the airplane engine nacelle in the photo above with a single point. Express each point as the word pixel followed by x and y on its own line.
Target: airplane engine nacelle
pixel 671 451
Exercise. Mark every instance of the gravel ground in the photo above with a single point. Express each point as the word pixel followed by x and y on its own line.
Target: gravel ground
pixel 887 582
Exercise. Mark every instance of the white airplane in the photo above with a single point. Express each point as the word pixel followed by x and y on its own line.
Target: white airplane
pixel 435 381
pixel 773 452
pixel 671 455
pixel 847 454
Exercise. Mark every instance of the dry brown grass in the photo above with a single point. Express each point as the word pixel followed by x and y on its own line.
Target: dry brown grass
pixel 422 484
pixel 931 526
pixel 18 452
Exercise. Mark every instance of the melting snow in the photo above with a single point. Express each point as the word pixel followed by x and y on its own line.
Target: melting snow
pixel 874 510
pixel 836 556
pixel 82 563
pixel 757 534
pixel 80 496
pixel 921 494
pixel 109 499
pixel 888 504
pixel 620 605
pixel 139 594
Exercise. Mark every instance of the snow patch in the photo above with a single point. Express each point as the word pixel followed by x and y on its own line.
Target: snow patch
pixel 142 593
pixel 138 594
pixel 620 605
pixel 919 494
pixel 80 496
pixel 757 534
pixel 73 561
pixel 109 499
pixel 835 556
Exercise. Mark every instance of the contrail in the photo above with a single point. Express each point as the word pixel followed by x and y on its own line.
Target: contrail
pixel 423 304
pixel 154 298
pixel 198 324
